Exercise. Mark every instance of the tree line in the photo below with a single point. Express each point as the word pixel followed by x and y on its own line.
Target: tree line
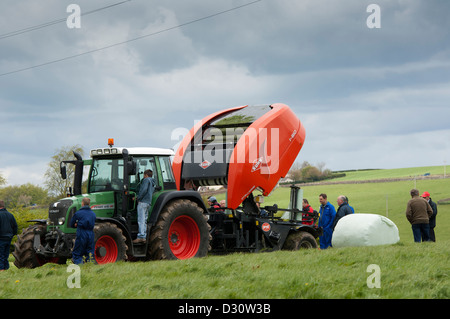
pixel 54 188
pixel 306 172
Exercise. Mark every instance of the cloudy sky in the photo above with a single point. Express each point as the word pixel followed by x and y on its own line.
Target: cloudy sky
pixel 368 97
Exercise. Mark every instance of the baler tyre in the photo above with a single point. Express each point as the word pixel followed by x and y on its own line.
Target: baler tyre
pixel 181 232
pixel 299 240
pixel 110 243
pixel 24 254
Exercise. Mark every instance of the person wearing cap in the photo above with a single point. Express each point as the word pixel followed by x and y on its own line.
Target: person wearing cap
pixel 214 205
pixel 432 223
pixel 418 213
pixel 307 213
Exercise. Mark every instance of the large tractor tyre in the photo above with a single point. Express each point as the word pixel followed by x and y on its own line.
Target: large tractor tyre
pixel 24 253
pixel 300 240
pixel 181 232
pixel 110 243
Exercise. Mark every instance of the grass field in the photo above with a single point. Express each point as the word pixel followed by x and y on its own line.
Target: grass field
pixel 393 173
pixel 407 270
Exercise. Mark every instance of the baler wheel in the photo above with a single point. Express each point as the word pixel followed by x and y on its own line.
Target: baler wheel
pixel 300 240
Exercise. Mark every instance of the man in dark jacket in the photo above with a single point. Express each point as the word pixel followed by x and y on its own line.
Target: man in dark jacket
pixel 307 214
pixel 84 221
pixel 214 205
pixel 343 210
pixel 432 222
pixel 8 228
pixel 418 213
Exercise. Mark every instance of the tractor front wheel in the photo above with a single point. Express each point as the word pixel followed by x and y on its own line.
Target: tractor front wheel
pixel 24 253
pixel 110 243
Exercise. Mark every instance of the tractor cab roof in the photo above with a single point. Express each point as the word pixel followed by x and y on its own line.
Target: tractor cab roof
pixel 134 151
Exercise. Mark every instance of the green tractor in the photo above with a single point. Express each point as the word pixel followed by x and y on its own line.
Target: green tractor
pixel 177 223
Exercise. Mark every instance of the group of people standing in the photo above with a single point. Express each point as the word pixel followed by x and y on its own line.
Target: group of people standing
pixel 328 216
pixel 421 212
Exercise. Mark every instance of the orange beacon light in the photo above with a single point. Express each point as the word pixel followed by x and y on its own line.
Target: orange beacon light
pixel 110 142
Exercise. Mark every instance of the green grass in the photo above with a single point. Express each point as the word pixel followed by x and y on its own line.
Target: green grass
pixel 408 270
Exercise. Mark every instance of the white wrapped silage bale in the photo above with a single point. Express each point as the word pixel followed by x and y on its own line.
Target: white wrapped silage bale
pixel 364 230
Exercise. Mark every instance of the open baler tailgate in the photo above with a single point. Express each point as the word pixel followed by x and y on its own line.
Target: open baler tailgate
pixel 244 148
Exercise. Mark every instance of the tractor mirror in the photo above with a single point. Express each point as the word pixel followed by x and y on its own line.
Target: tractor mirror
pixel 131 167
pixel 63 171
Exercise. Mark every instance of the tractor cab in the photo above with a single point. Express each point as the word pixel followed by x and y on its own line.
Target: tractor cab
pixel 115 177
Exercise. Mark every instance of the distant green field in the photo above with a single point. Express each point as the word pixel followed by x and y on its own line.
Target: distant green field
pixel 392 173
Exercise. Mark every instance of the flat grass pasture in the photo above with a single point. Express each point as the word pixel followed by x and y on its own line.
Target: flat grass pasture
pixel 359 175
pixel 407 270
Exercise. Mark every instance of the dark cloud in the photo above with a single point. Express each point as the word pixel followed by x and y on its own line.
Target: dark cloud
pixel 359 91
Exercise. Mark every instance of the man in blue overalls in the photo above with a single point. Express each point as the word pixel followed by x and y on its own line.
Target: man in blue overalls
pixel 327 215
pixel 84 221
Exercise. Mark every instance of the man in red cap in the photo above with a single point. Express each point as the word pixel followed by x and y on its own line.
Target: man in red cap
pixel 432 223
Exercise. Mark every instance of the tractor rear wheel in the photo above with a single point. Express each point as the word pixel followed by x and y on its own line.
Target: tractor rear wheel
pixel 300 240
pixel 181 232
pixel 110 243
pixel 24 254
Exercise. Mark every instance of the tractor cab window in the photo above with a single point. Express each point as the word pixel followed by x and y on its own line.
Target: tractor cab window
pixel 106 175
pixel 166 172
pixel 142 164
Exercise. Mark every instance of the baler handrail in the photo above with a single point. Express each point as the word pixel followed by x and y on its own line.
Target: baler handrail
pixel 246 125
